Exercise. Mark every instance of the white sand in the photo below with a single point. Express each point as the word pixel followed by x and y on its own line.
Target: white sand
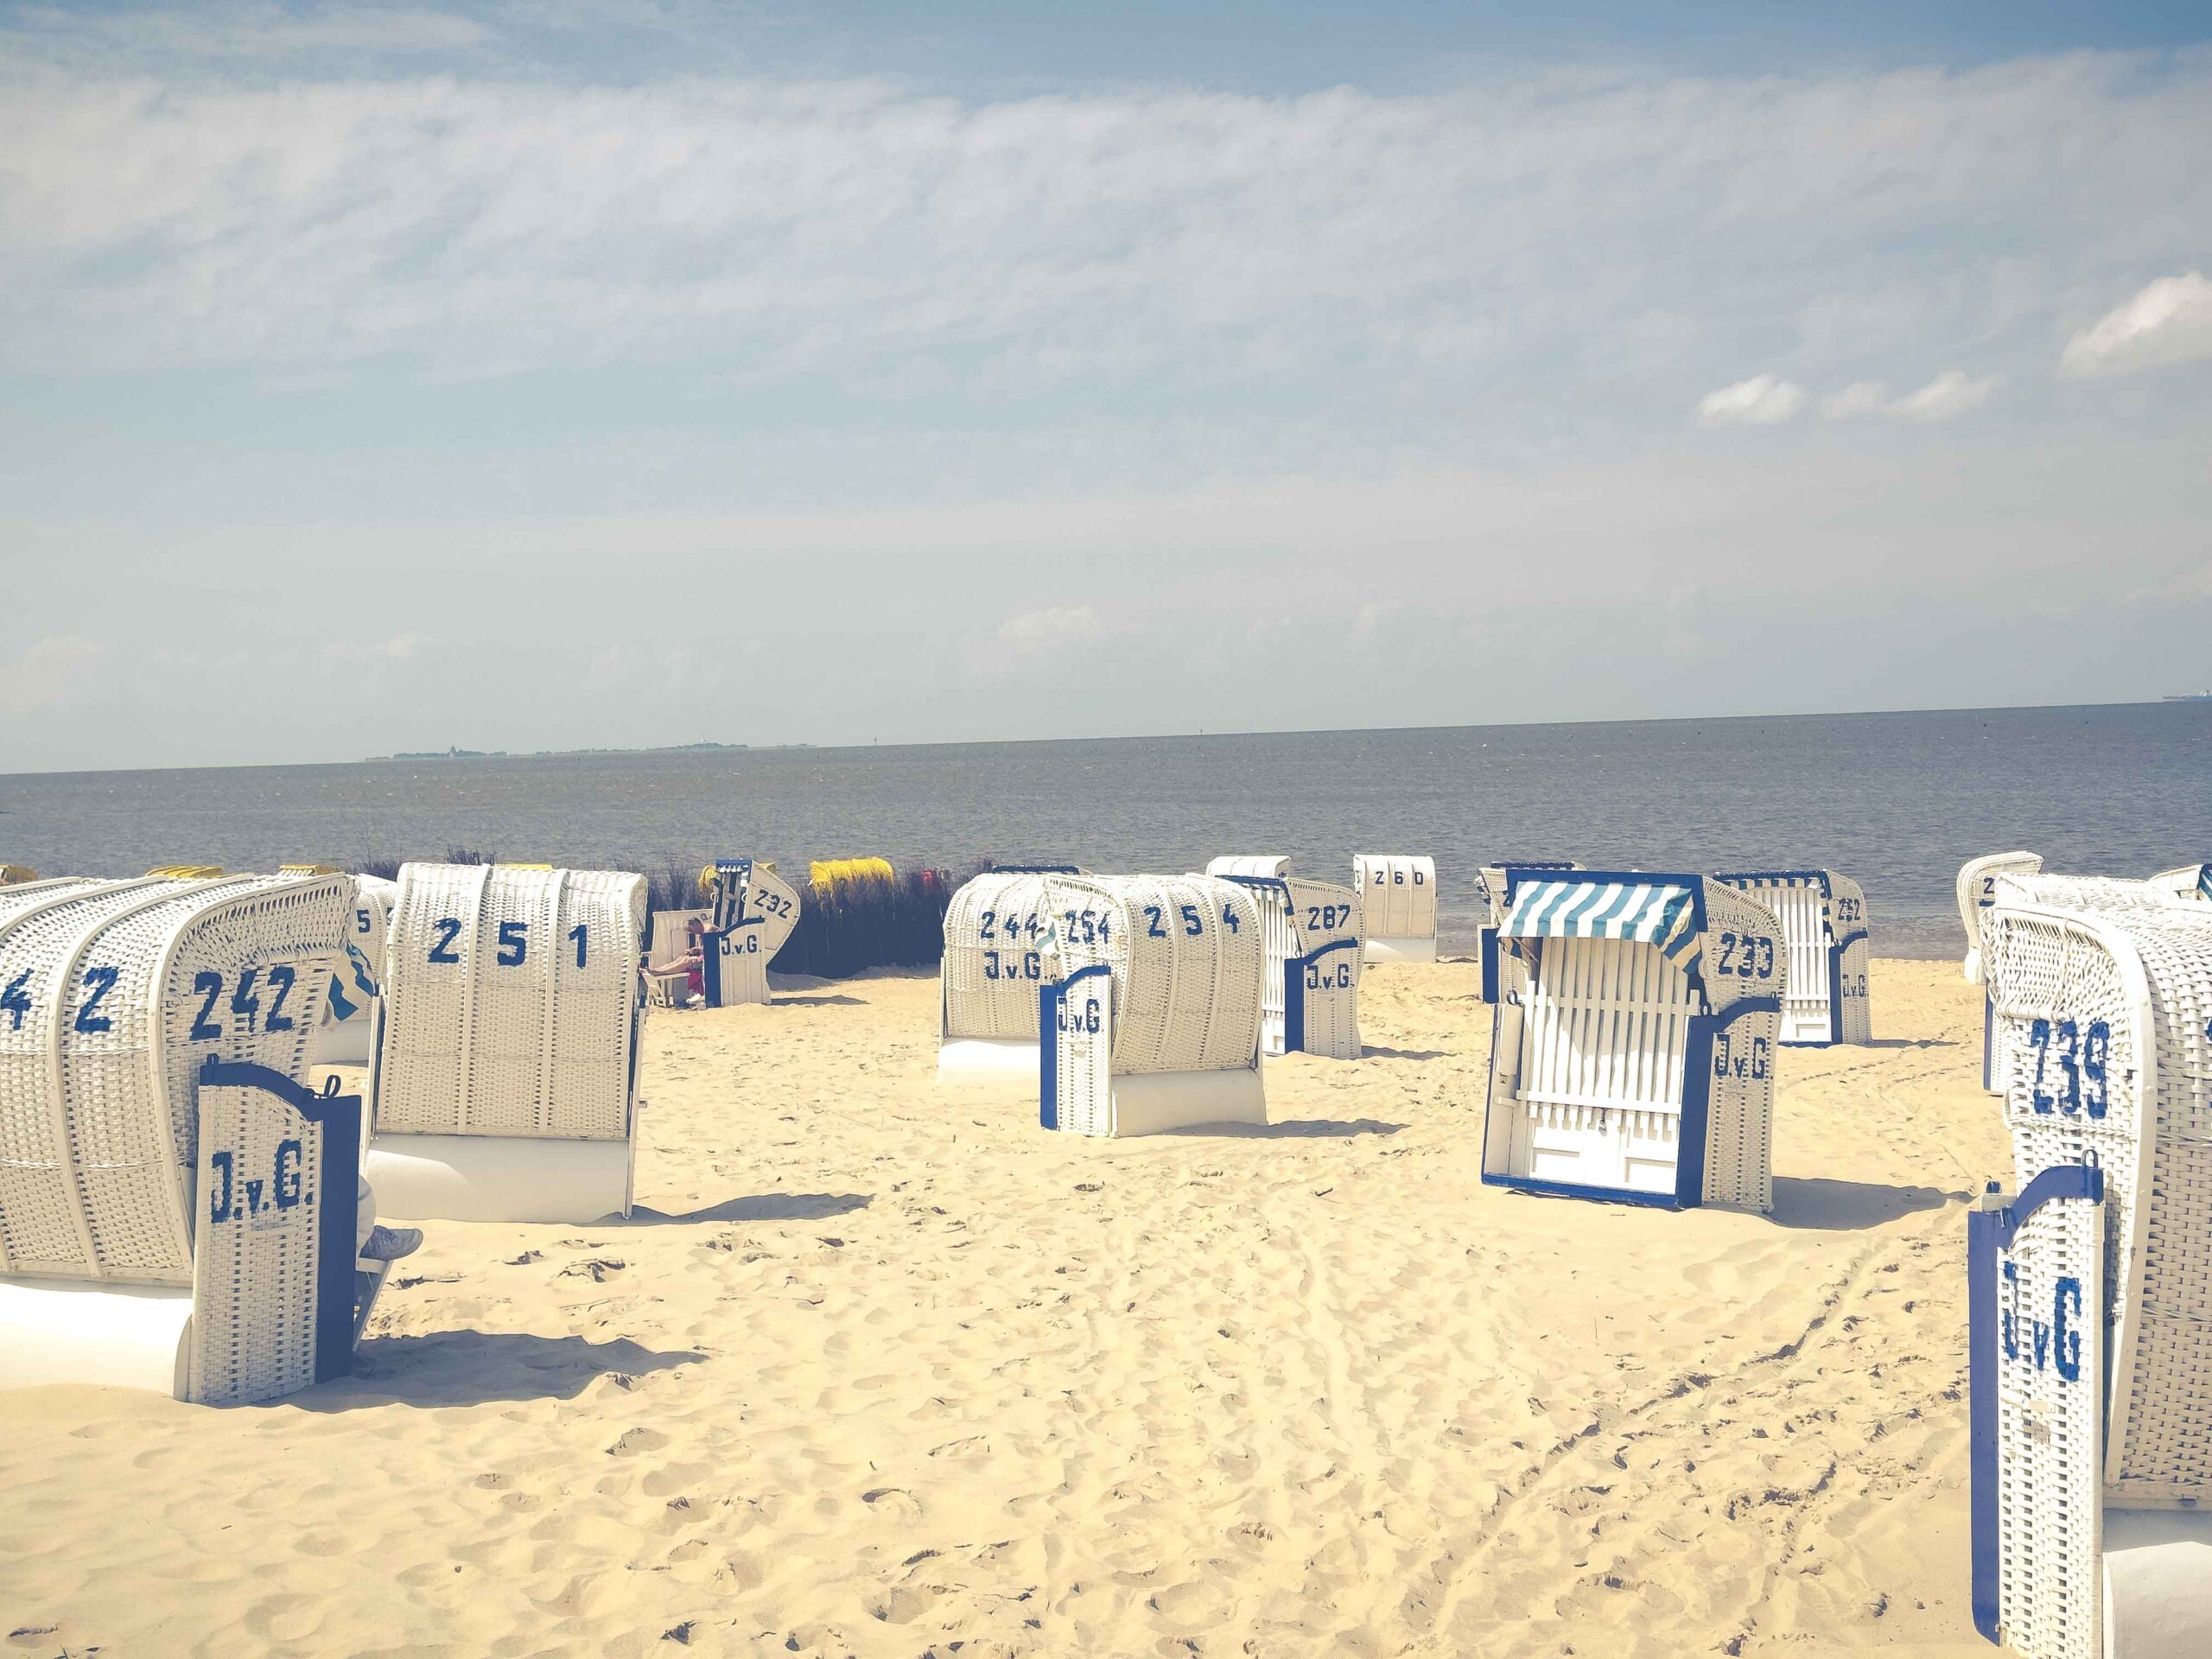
pixel 893 1372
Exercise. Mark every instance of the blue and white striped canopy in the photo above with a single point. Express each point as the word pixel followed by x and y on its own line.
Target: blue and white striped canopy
pixel 2204 882
pixel 1661 913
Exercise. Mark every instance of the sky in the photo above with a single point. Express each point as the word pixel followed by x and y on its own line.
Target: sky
pixel 608 374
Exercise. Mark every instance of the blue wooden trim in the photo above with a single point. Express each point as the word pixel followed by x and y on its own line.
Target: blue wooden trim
pixel 338 1203
pixel 1274 881
pixel 1981 1416
pixel 1697 1108
pixel 1487 949
pixel 1293 998
pixel 1811 878
pixel 1050 998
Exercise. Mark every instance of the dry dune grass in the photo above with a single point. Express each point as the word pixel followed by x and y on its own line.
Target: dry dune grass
pixel 890 1372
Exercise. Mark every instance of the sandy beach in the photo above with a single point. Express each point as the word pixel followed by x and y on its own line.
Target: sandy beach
pixel 886 1371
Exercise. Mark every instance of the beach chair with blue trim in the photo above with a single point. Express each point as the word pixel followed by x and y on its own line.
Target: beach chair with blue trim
pixel 1823 915
pixel 2090 1291
pixel 347 1035
pixel 504 1086
pixel 1397 892
pixel 1636 1061
pixel 753 911
pixel 2190 881
pixel 1313 933
pixel 1490 896
pixel 996 928
pixel 1149 1012
pixel 178 1210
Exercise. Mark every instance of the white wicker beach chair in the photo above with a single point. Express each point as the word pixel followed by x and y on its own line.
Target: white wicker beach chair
pixel 177 1210
pixel 1637 1062
pixel 1150 1010
pixel 754 912
pixel 2091 1294
pixel 1977 890
pixel 505 1087
pixel 1499 976
pixel 1397 890
pixel 1314 932
pixel 996 928
pixel 1823 915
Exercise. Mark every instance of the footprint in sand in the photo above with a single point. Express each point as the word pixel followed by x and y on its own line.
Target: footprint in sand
pixel 903 1605
pixel 634 1440
pixel 895 1501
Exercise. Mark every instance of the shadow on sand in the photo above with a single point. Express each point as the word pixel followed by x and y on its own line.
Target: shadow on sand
pixel 1374 1052
pixel 475 1368
pixel 1846 1206
pixel 761 1206
pixel 1300 1129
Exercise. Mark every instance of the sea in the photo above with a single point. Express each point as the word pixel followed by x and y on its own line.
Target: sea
pixel 1898 801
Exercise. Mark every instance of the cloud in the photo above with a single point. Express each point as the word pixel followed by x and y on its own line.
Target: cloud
pixel 51 671
pixel 1950 395
pixel 1032 637
pixel 398 648
pixel 2169 322
pixel 288 215
pixel 1763 400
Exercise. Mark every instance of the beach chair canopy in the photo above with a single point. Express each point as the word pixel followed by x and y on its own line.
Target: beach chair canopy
pixel 1398 892
pixel 1977 892
pixel 511 1003
pixel 997 928
pixel 1182 958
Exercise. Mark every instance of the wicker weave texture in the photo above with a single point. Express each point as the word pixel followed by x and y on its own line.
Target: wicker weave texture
pixel 512 1003
pixel 254 1269
pixel 2105 1015
pixel 997 928
pixel 114 993
pixel 2051 1371
pixel 1185 954
pixel 1977 893
pixel 1398 891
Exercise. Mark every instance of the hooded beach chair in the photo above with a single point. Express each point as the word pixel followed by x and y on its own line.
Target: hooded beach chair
pixel 2090 1319
pixel 1397 892
pixel 2192 881
pixel 995 928
pixel 752 910
pixel 1824 921
pixel 1498 977
pixel 177 1209
pixel 1635 1063
pixel 1313 933
pixel 504 1085
pixel 1149 1012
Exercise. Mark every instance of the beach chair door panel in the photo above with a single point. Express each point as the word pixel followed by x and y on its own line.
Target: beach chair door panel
pixel 1602 1041
pixel 1076 1020
pixel 2037 1344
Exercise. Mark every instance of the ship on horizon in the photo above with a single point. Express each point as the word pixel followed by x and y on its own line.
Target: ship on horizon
pixel 2189 696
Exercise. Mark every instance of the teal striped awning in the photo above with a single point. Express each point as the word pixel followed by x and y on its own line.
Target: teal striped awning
pixel 1644 912
pixel 2204 882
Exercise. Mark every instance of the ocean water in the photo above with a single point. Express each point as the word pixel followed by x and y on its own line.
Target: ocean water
pixel 1899 801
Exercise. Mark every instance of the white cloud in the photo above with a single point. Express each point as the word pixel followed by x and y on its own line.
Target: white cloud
pixel 50 672
pixel 1861 397
pixel 2169 322
pixel 1763 400
pixel 1950 395
pixel 397 649
pixel 1032 637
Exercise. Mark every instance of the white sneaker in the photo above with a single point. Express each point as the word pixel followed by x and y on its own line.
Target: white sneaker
pixel 390 1243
